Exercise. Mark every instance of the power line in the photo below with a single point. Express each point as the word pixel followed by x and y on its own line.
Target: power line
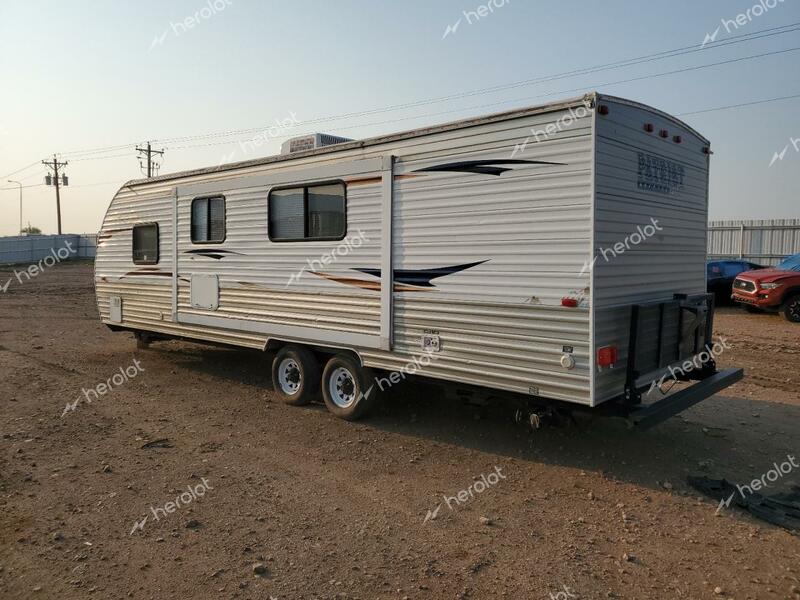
pixel 98 150
pixel 33 175
pixel 736 39
pixel 706 110
pixel 126 155
pixel 23 187
pixel 585 71
pixel 20 170
pixel 528 98
pixel 718 108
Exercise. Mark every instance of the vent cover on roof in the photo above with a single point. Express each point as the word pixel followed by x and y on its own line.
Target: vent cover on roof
pixel 311 142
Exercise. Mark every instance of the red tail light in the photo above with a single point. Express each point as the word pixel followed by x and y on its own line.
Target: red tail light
pixel 570 302
pixel 606 356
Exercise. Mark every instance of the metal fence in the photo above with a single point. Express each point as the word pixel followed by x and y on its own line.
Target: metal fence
pixel 33 248
pixel 765 242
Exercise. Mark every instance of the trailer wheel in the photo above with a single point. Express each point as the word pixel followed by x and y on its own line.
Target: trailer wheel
pixel 348 388
pixel 295 375
pixel 791 309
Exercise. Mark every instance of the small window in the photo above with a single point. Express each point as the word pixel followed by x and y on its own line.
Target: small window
pixel 208 220
pixel 145 244
pixel 307 213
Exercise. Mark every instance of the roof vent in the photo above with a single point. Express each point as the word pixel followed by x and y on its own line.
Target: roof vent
pixel 311 142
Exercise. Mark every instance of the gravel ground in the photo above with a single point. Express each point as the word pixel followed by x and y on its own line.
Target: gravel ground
pixel 188 480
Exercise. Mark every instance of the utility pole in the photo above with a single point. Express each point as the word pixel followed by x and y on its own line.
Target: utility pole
pixel 149 152
pixel 20 203
pixel 49 179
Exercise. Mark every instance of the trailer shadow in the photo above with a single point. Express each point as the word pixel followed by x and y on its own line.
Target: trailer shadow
pixel 236 365
pixel 734 438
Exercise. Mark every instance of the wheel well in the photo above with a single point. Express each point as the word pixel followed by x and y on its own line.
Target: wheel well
pixel 273 345
pixel 791 293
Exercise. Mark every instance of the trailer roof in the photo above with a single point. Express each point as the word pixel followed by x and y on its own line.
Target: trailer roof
pixel 412 133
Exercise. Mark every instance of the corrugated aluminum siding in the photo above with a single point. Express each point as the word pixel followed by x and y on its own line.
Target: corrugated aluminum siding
pixel 671 260
pixel 501 324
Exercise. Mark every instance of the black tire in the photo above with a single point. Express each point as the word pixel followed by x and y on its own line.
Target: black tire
pixel 295 375
pixel 791 309
pixel 350 390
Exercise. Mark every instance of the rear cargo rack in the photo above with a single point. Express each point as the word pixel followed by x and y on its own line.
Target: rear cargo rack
pixel 661 410
pixel 683 329
pixel 679 329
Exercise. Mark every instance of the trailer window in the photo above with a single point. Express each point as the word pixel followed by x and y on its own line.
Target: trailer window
pixel 308 213
pixel 208 220
pixel 145 244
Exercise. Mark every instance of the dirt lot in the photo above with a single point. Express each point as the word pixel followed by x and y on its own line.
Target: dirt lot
pixel 336 510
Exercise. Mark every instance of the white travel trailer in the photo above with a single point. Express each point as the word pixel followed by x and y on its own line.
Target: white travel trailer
pixel 554 254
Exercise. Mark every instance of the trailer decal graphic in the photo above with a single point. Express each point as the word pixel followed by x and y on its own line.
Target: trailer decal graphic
pixel 212 253
pixel 484 167
pixel 147 272
pixel 405 280
pixel 152 272
pixel 374 286
pixel 422 277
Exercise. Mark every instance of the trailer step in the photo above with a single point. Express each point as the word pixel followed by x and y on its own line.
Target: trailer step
pixel 652 414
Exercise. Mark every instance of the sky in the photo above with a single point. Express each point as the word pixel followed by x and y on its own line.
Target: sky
pixel 85 75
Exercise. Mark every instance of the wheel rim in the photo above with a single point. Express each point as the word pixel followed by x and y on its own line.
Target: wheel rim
pixel 289 376
pixel 794 309
pixel 342 387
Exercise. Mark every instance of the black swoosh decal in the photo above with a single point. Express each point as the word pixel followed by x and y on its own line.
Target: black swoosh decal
pixel 484 167
pixel 214 253
pixel 422 277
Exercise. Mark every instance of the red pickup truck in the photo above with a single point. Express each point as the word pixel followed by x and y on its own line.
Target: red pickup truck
pixel 775 289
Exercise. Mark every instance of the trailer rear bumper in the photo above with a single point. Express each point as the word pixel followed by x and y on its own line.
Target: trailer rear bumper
pixel 646 416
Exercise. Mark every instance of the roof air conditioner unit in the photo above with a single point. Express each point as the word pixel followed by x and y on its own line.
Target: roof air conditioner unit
pixel 311 142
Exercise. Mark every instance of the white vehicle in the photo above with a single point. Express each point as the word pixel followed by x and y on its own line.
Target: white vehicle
pixel 554 254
